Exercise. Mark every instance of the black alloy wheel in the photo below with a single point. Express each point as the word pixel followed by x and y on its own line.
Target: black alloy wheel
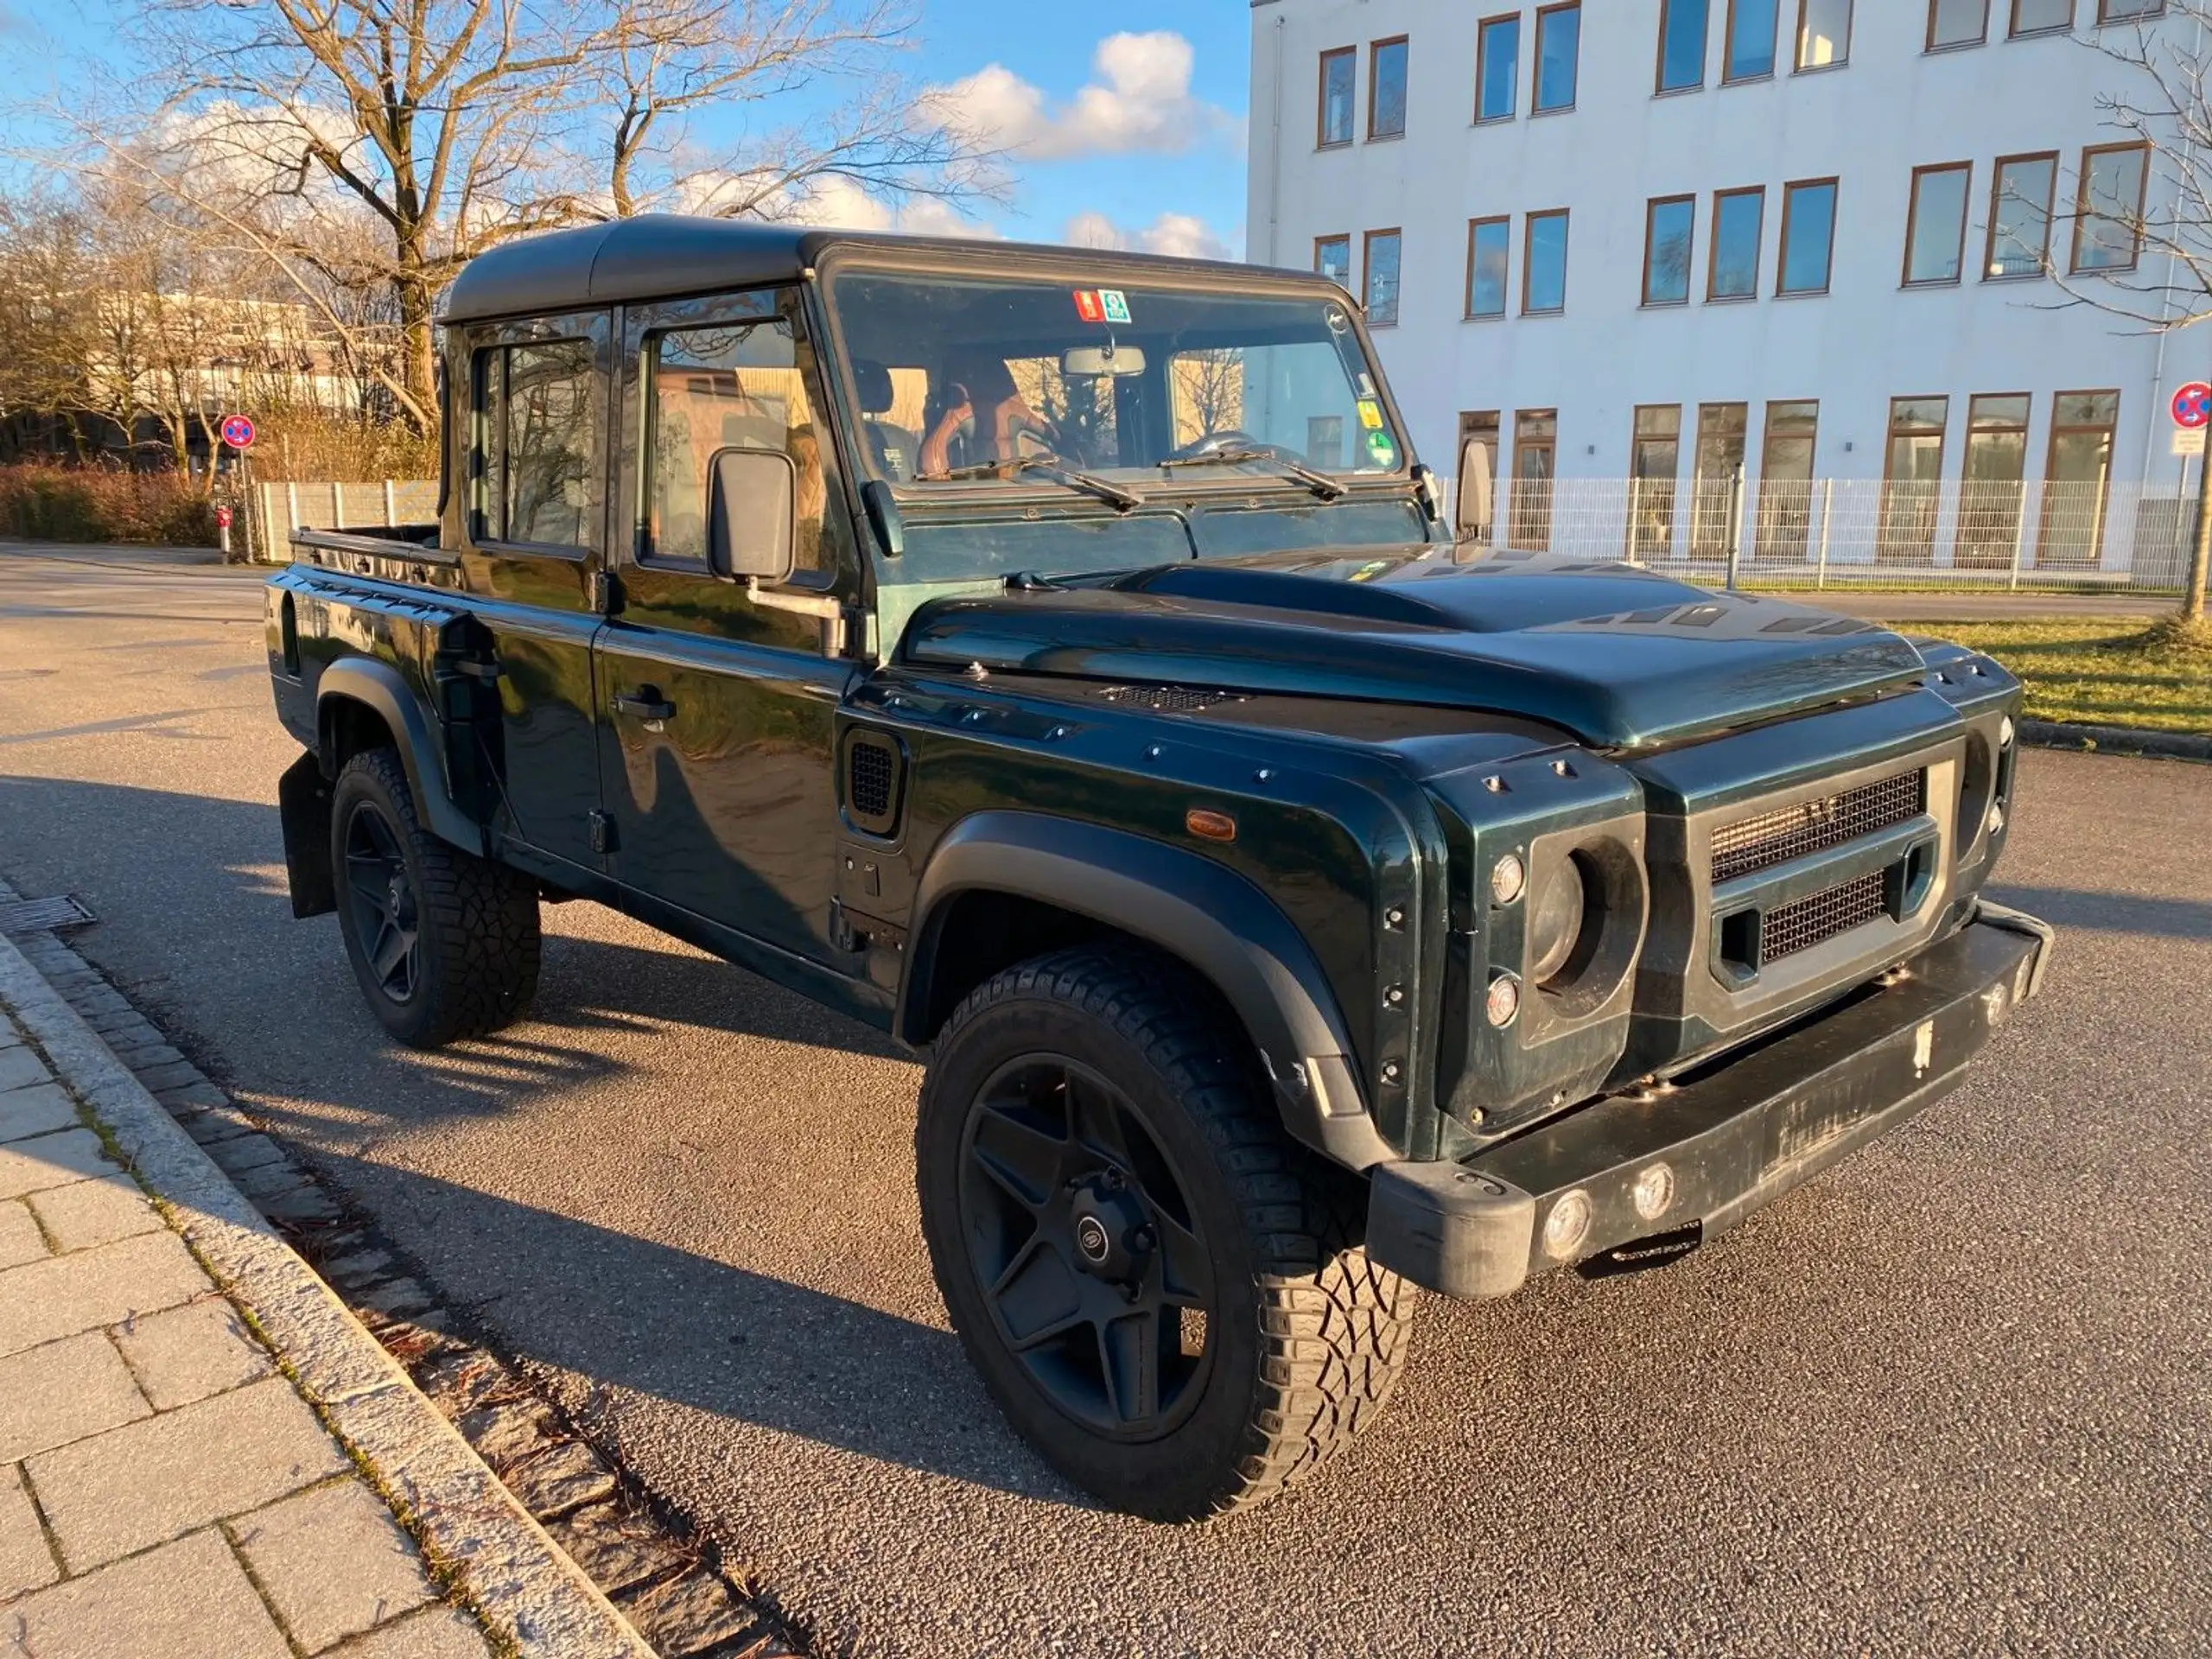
pixel 386 910
pixel 1083 1241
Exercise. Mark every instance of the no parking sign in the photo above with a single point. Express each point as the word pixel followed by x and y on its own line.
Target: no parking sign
pixel 2193 406
pixel 237 431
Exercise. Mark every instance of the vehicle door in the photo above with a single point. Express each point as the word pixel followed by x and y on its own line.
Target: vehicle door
pixel 534 539
pixel 719 695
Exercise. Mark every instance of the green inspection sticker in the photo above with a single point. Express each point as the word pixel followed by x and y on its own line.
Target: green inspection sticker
pixel 1381 450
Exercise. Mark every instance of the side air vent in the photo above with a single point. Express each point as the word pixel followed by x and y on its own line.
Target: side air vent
pixel 875 770
pixel 1169 699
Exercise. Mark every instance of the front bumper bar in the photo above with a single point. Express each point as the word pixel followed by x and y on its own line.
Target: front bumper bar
pixel 1734 1135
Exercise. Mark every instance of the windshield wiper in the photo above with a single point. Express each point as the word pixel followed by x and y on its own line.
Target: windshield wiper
pixel 1320 483
pixel 1044 466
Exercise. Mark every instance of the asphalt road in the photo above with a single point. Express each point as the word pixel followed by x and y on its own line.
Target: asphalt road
pixel 1952 1398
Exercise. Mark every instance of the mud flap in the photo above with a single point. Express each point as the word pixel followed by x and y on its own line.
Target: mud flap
pixel 303 805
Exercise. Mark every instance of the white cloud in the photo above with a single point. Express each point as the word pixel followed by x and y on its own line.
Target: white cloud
pixel 829 201
pixel 1139 99
pixel 1182 236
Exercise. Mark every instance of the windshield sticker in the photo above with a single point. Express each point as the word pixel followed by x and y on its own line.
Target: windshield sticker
pixel 1369 571
pixel 1366 386
pixel 1116 303
pixel 1339 322
pixel 1381 450
pixel 1370 414
pixel 1088 305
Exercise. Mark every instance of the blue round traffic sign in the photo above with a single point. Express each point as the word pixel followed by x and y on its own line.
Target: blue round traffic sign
pixel 237 431
pixel 2193 405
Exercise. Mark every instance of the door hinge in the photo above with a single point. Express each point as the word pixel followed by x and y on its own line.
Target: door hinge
pixel 602 832
pixel 606 592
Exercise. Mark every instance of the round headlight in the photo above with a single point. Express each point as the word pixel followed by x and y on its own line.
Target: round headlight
pixel 1568 1226
pixel 1509 878
pixel 1556 920
pixel 1503 1000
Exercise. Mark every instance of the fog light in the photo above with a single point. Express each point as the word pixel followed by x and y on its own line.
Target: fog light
pixel 1509 878
pixel 1653 1192
pixel 1568 1226
pixel 1503 1000
pixel 2005 733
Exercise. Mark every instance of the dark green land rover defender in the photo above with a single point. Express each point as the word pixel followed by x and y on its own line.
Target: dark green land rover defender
pixel 1057 660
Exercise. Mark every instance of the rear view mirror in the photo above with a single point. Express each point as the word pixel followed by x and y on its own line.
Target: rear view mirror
pixel 1097 362
pixel 751 502
pixel 1471 518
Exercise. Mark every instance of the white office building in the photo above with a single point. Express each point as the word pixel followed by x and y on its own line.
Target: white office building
pixel 1633 245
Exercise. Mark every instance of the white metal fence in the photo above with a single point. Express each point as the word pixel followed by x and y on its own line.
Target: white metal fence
pixel 277 510
pixel 1864 532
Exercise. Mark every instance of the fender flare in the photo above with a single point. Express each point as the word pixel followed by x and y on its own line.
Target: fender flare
pixel 1211 917
pixel 379 687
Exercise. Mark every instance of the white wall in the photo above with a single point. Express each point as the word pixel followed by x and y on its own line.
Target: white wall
pixel 1892 108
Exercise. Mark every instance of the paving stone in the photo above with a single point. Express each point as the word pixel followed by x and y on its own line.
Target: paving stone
pixel 150 1481
pixel 401 1299
pixel 332 1562
pixel 140 1057
pixel 563 1479
pixel 245 1152
pixel 361 1268
pixel 434 1633
pixel 50 1161
pixel 20 1068
pixel 688 1614
pixel 175 1075
pixel 63 1391
pixel 299 1206
pixel 86 1213
pixel 20 1240
pixel 207 1115
pixel 128 1029
pixel 506 1433
pixel 267 1180
pixel 617 1551
pixel 25 1561
pixel 64 1295
pixel 189 1601
pixel 39 1109
pixel 188 1353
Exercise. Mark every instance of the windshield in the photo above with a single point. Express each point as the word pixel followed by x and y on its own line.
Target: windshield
pixel 965 379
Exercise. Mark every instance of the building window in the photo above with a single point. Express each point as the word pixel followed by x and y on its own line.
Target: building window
pixel 1912 479
pixel 1478 431
pixel 1807 237
pixel 1655 461
pixel 1559 53
pixel 1720 429
pixel 540 443
pixel 1823 33
pixel 1681 44
pixel 1498 68
pixel 1381 283
pixel 1535 446
pixel 2041 17
pixel 1752 27
pixel 1332 259
pixel 2108 217
pixel 1386 89
pixel 1669 223
pixel 2128 11
pixel 1785 511
pixel 1732 270
pixel 2019 216
pixel 1990 490
pixel 1935 223
pixel 1488 242
pixel 1544 264
pixel 1337 69
pixel 1957 23
pixel 2077 477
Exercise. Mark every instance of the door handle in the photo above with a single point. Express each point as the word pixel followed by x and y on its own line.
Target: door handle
pixel 646 703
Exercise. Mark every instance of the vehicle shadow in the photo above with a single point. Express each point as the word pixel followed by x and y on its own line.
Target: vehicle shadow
pixel 2153 916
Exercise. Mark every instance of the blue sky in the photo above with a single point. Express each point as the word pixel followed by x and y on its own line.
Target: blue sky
pixel 1143 143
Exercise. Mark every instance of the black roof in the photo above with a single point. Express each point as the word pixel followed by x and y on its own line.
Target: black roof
pixel 660 255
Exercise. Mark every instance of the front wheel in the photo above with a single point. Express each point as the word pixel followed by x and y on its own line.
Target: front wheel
pixel 1164 1292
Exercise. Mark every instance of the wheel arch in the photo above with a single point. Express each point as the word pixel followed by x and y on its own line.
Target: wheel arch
pixel 1052 880
pixel 363 703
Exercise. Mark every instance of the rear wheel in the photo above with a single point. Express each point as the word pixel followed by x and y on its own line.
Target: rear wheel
pixel 444 943
pixel 1166 1294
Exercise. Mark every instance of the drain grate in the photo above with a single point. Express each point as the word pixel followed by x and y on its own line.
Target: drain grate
pixel 44 915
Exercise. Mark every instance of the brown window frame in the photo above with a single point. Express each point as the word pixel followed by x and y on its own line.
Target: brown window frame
pixel 1366 269
pixel 1651 207
pixel 2157 9
pixel 2082 207
pixel 1344 236
pixel 1659 88
pixel 1482 50
pixel 1713 247
pixel 2013 31
pixel 1928 42
pixel 2046 483
pixel 2049 218
pixel 1321 139
pixel 1528 233
pixel 1911 217
pixel 1467 313
pixel 1728 34
pixel 1790 188
pixel 1374 55
pixel 1797 41
pixel 1536 60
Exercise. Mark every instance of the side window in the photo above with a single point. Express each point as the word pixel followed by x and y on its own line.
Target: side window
pixel 539 441
pixel 747 382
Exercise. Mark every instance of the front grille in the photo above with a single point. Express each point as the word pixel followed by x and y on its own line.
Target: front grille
pixel 1805 923
pixel 1771 838
pixel 1169 699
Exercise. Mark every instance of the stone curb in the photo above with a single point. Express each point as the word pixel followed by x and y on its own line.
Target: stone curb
pixel 2117 739
pixel 529 1593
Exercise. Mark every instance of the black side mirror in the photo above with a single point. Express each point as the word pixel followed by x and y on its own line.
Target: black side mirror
pixel 752 499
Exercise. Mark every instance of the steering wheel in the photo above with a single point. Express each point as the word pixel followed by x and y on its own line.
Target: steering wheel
pixel 1230 437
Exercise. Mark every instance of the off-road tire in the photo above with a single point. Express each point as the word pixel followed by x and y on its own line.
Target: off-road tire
pixel 477 919
pixel 1312 1334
